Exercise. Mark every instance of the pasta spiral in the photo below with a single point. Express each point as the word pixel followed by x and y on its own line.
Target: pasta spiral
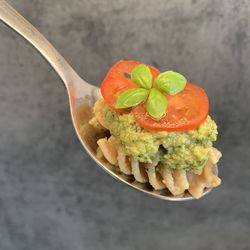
pixel 160 177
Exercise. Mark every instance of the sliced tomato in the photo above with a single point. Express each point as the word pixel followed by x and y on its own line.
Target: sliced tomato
pixel 186 110
pixel 117 80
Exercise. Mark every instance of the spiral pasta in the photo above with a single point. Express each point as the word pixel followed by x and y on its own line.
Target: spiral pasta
pixel 160 177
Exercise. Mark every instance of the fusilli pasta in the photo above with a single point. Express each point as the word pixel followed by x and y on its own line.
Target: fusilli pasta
pixel 160 177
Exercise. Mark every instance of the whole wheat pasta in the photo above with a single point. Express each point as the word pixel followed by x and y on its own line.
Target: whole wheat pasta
pixel 98 120
pixel 160 177
pixel 154 177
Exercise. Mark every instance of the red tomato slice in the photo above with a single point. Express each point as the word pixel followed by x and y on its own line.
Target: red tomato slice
pixel 116 81
pixel 186 110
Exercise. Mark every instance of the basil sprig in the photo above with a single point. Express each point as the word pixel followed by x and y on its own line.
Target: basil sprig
pixel 169 82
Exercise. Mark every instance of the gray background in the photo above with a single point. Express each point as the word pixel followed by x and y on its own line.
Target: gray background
pixel 52 196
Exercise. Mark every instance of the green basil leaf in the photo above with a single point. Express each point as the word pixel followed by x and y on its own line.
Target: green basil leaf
pixel 131 97
pixel 170 82
pixel 156 104
pixel 141 75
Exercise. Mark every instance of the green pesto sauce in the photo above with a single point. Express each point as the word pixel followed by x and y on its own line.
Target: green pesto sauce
pixel 176 150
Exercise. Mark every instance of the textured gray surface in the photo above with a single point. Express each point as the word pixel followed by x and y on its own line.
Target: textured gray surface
pixel 52 196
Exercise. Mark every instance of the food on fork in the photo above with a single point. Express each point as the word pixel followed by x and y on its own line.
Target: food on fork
pixel 160 130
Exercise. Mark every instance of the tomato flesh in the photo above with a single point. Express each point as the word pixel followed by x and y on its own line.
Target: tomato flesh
pixel 116 81
pixel 186 110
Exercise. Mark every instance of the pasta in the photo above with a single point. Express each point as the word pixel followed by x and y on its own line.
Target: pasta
pixel 159 177
pixel 98 120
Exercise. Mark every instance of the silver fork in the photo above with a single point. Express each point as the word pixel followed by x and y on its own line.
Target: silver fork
pixel 82 96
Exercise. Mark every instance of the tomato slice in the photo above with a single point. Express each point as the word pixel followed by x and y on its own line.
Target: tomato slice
pixel 186 110
pixel 116 80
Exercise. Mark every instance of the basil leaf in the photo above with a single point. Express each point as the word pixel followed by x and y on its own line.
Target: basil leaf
pixel 141 75
pixel 131 97
pixel 170 82
pixel 156 104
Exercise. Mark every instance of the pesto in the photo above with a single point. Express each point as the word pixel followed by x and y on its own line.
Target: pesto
pixel 176 150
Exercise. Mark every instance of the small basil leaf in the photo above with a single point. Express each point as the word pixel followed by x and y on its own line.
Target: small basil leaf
pixel 171 82
pixel 142 76
pixel 156 104
pixel 131 97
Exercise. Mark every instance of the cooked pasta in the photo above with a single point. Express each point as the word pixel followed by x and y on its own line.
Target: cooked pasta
pixel 98 120
pixel 160 177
